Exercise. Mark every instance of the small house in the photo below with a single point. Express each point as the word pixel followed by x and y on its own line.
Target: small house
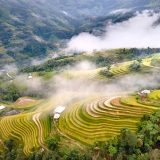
pixel 144 93
pixel 13 112
pixel 56 117
pixel 41 150
pixel 30 76
pixel 2 107
pixel 59 109
pixel 57 112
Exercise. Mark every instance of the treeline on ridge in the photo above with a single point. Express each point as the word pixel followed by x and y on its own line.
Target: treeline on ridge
pixel 99 59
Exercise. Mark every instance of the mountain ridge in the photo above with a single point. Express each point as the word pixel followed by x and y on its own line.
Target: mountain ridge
pixel 31 29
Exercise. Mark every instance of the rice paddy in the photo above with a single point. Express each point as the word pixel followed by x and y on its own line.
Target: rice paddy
pixel 101 118
pixel 89 118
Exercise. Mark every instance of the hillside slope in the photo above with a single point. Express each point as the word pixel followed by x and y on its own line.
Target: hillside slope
pixel 30 29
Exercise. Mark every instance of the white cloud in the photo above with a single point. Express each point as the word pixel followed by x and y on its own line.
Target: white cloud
pixel 121 11
pixel 138 32
pixel 84 65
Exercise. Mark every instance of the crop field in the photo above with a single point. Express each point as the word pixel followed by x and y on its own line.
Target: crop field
pixel 95 118
pixel 30 127
pixel 118 69
pixel 101 118
pixel 154 95
pixel 87 117
pixel 33 125
pixel 82 74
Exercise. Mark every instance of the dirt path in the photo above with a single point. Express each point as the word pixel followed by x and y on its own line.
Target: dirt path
pixel 78 144
pixel 37 122
pixel 3 144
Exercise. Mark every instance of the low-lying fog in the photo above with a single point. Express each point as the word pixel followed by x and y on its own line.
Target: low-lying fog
pixel 141 31
pixel 61 84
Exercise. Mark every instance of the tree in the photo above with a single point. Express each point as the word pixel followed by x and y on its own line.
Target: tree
pixel 132 157
pixel 10 144
pixel 119 156
pixel 135 66
pixel 154 155
pixel 52 143
pixel 112 151
pixel 139 143
pixel 127 140
pixel 38 156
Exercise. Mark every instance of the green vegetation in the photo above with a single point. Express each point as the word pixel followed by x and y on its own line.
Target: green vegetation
pixel 142 145
pixel 101 59
pixel 110 115
pixel 10 92
pixel 94 125
pixel 98 125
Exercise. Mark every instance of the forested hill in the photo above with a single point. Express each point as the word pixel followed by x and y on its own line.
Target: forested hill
pixel 101 7
pixel 31 29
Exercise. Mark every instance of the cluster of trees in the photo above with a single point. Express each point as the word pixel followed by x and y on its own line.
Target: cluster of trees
pixel 142 145
pixel 10 92
pixel 6 35
pixel 135 66
pixel 135 52
pixel 99 59
pixel 13 151
pixel 53 154
pixel 35 48
pixel 51 65
pixel 106 72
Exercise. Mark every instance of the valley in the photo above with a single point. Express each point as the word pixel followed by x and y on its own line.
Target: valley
pixel 79 80
pixel 91 117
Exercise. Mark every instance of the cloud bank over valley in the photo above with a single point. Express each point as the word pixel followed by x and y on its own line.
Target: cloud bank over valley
pixel 141 31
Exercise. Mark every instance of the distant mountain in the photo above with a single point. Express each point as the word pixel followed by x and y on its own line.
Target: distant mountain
pixel 31 29
pixel 34 28
pixel 101 7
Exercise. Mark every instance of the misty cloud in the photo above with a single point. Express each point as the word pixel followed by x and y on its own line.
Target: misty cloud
pixel 86 85
pixel 9 67
pixel 121 11
pixel 139 31
pixel 128 83
pixel 84 65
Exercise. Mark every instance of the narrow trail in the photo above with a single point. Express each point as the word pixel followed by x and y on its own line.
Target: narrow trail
pixel 9 75
pixel 78 144
pixel 35 118
pixel 3 144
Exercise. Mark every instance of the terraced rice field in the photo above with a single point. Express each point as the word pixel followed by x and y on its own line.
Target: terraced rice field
pixel 121 69
pixel 117 70
pixel 22 129
pixel 94 118
pixel 89 74
pixel 154 95
pixel 31 127
pixel 101 118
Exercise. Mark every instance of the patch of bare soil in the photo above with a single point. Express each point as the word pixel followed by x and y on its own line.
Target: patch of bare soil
pixel 24 101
